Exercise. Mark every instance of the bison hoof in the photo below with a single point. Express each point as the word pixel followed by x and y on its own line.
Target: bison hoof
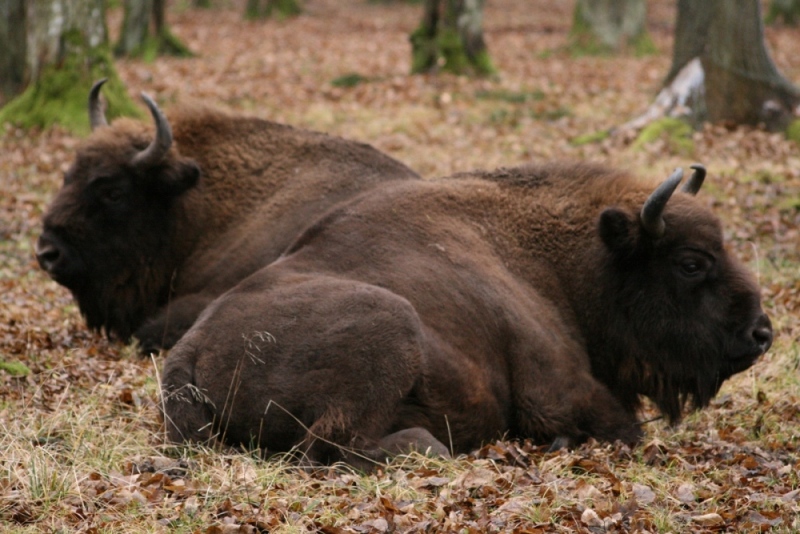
pixel 561 442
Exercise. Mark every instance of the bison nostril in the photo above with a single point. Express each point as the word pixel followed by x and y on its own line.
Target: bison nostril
pixel 47 255
pixel 763 336
pixel 762 333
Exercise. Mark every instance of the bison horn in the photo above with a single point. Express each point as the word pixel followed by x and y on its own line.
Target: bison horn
pixel 695 181
pixel 654 206
pixel 156 151
pixel 96 115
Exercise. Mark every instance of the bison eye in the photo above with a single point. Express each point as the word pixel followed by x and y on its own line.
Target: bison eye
pixel 693 266
pixel 113 195
pixel 690 267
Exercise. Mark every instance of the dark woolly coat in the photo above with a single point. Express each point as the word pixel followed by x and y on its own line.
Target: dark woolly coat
pixel 525 302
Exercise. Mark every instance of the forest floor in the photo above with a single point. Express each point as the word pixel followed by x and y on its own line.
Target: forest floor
pixel 81 445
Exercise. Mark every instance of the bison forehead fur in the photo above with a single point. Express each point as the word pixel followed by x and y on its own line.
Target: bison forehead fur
pixel 538 302
pixel 147 229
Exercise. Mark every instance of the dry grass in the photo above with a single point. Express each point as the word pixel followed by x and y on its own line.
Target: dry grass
pixel 83 450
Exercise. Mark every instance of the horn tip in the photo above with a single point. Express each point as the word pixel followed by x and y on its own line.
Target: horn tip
pixel 98 84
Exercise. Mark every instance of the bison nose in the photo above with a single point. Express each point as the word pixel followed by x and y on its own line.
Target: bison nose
pixel 47 253
pixel 762 333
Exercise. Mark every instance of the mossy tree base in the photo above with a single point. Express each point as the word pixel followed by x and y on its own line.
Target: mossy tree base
pixel 445 52
pixel 587 44
pixel 262 9
pixel 165 44
pixel 451 41
pixel 609 27
pixel 676 133
pixel 793 131
pixel 60 94
pixel 786 10
pixel 140 38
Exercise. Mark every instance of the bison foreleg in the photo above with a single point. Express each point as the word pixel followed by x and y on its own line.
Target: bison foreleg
pixel 188 412
pixel 164 329
pixel 316 451
pixel 412 440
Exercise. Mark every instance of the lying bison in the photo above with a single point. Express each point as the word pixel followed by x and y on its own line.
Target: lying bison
pixel 147 229
pixel 536 302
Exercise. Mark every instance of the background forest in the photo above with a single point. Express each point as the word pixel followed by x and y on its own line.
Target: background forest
pixel 81 444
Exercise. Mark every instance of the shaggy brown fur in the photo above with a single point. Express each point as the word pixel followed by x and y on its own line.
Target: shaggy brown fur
pixel 524 302
pixel 144 250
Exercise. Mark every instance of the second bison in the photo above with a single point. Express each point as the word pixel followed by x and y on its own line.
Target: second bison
pixel 152 224
pixel 536 302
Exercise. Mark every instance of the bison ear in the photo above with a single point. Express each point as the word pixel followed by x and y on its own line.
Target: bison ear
pixel 618 231
pixel 178 177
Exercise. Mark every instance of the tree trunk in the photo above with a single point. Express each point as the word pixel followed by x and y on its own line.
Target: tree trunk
pixel 141 39
pixel 691 28
pixel 450 38
pixel 602 26
pixel 135 28
pixel 12 42
pixel 788 10
pixel 721 70
pixel 743 85
pixel 66 51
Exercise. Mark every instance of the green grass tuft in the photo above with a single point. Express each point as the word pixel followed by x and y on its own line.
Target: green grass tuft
pixel 674 132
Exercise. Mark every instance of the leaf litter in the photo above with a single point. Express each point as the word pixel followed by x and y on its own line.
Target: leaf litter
pixel 83 448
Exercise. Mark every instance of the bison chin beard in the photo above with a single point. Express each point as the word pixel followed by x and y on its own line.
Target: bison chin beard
pixel 117 307
pixel 673 374
pixel 672 393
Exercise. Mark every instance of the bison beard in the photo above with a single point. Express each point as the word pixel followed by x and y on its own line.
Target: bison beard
pixel 536 302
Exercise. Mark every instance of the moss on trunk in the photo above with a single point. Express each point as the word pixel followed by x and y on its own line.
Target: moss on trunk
pixel 60 95
pixel 787 10
pixel 259 9
pixel 450 40
pixel 608 27
pixel 793 131
pixel 676 134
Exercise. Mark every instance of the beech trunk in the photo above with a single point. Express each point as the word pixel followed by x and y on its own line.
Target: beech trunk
pixel 722 71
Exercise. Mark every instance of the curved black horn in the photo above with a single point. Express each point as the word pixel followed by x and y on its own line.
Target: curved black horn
pixel 695 180
pixel 96 115
pixel 156 151
pixel 654 206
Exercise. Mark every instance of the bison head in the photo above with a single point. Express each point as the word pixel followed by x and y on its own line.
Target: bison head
pixel 109 235
pixel 683 314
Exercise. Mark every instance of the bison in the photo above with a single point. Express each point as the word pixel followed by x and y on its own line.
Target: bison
pixel 537 302
pixel 149 228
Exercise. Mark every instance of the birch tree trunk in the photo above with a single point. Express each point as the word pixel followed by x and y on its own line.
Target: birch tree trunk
pixel 66 49
pixel 450 38
pixel 602 26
